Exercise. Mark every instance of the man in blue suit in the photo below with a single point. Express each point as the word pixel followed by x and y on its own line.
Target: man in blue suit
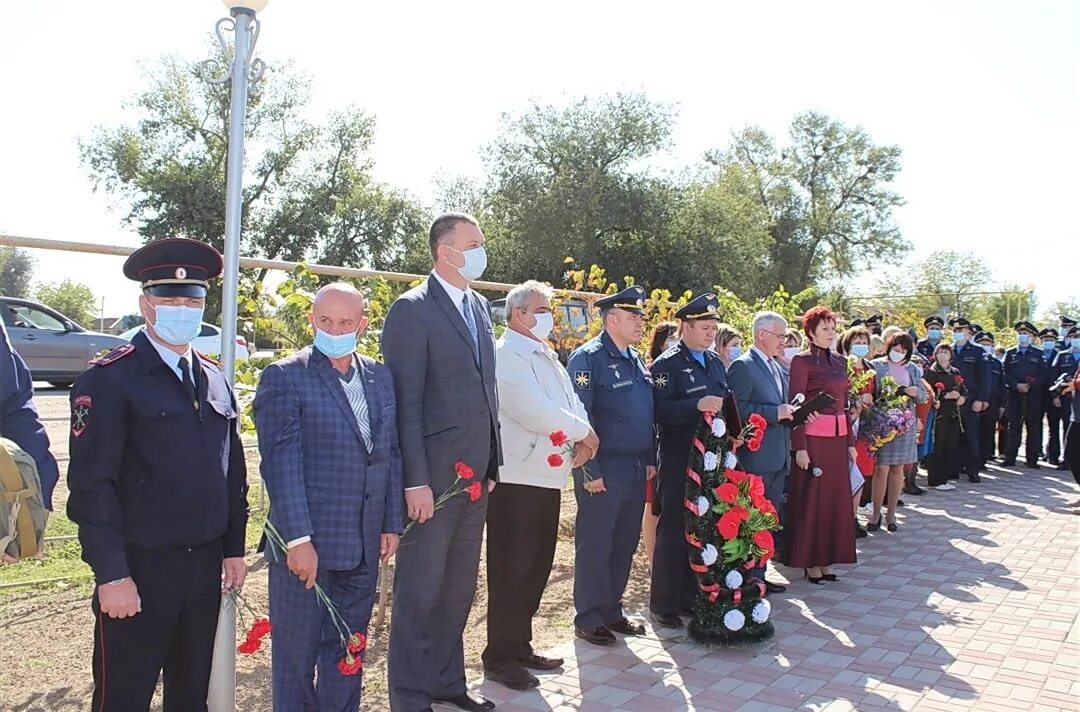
pixel 332 466
pixel 759 386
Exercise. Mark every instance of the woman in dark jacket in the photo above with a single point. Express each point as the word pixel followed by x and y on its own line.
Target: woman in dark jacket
pixel 948 386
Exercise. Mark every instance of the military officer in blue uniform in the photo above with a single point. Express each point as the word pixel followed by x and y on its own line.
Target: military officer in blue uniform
pixel 1049 339
pixel 688 380
pixel 974 366
pixel 1065 364
pixel 158 490
pixel 934 325
pixel 1066 324
pixel 989 418
pixel 617 392
pixel 1025 379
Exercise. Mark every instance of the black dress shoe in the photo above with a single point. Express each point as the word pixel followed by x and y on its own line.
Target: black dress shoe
pixel 466 702
pixel 771 587
pixel 626 627
pixel 1033 465
pixel 667 620
pixel 539 662
pixel 1063 465
pixel 513 677
pixel 974 478
pixel 598 636
pixel 1009 462
pixel 860 531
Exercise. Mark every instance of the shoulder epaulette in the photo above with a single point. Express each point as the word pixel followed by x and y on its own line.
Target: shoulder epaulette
pixel 104 359
pixel 206 359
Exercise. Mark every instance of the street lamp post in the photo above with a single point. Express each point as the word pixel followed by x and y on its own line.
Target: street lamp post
pixel 241 71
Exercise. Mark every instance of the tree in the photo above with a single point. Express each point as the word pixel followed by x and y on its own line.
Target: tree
pixel 16 272
pixel 826 195
pixel 1067 307
pixel 308 190
pixel 72 299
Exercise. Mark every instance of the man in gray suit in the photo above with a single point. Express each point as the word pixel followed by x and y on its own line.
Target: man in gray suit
pixel 439 343
pixel 760 387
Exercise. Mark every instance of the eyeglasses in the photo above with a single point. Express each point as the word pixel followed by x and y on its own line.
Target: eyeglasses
pixel 779 336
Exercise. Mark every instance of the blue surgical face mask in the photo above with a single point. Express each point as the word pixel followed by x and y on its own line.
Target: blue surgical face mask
pixel 475 263
pixel 988 348
pixel 1075 343
pixel 960 337
pixel 934 334
pixel 177 325
pixel 1024 339
pixel 897 356
pixel 734 352
pixel 1049 345
pixel 335 345
pixel 860 350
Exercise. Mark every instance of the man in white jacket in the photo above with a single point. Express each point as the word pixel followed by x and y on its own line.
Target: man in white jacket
pixel 536 401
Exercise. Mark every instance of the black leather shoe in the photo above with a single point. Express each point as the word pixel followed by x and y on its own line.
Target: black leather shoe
pixel 860 531
pixel 1033 465
pixel 974 478
pixel 599 636
pixel 1009 462
pixel 1063 465
pixel 513 677
pixel 667 620
pixel 771 587
pixel 626 627
pixel 539 662
pixel 466 702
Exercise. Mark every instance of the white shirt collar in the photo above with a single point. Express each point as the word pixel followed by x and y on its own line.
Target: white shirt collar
pixel 456 295
pixel 519 342
pixel 761 354
pixel 171 358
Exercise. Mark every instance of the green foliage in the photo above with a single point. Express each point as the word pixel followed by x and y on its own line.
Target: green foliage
pixel 72 299
pixel 16 272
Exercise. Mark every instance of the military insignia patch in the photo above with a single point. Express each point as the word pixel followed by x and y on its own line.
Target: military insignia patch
pixel 105 357
pixel 582 379
pixel 80 413
pixel 660 380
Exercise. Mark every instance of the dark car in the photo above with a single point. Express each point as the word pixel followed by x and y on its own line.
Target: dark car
pixel 55 348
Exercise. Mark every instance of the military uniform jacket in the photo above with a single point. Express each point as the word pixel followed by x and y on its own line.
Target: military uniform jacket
pixel 925 348
pixel 998 392
pixel 974 365
pixel 1065 363
pixel 617 392
pixel 679 382
pixel 148 468
pixel 1025 366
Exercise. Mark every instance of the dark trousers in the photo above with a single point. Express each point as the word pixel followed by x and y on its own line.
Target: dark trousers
pixel 434 586
pixel 305 639
pixel 944 464
pixel 607 531
pixel 173 635
pixel 1024 410
pixel 970 453
pixel 673 584
pixel 1054 422
pixel 1072 449
pixel 522 529
pixel 988 420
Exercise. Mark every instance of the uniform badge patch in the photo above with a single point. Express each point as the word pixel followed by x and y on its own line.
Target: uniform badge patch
pixel 582 379
pixel 80 413
pixel 660 380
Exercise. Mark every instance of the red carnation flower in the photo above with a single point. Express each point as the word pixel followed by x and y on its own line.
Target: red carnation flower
pixel 960 379
pixel 259 629
pixel 939 386
pixel 464 471
pixel 356 643
pixel 764 539
pixel 727 492
pixel 558 438
pixel 350 664
pixel 757 421
pixel 753 444
pixel 555 459
pixel 249 646
pixel 474 490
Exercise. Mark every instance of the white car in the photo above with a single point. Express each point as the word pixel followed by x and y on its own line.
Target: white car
pixel 208 341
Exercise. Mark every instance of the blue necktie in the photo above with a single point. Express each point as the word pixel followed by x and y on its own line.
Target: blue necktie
pixel 466 312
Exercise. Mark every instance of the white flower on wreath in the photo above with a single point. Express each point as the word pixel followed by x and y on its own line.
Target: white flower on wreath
pixel 730 461
pixel 733 580
pixel 734 619
pixel 709 555
pixel 702 506
pixel 761 610
pixel 719 427
pixel 711 461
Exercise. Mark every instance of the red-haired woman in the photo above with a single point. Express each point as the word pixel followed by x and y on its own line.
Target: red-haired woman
pixel 819 527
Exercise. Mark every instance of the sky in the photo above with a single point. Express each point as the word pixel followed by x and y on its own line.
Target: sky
pixel 982 97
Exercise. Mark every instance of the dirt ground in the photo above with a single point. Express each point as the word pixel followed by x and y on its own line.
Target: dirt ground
pixel 47 633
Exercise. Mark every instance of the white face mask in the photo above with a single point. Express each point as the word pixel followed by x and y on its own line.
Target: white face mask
pixel 897 356
pixel 790 351
pixel 545 322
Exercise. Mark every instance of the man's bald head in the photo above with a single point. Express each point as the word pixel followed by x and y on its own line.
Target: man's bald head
pixel 338 309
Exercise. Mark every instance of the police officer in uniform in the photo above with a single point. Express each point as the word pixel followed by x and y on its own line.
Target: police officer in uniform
pixel 988 419
pixel 158 490
pixel 1066 323
pixel 934 325
pixel 617 392
pixel 1025 379
pixel 688 380
pixel 974 366
pixel 1054 420
pixel 1065 364
pixel 873 323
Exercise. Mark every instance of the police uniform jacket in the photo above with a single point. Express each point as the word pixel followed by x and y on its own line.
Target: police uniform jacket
pixel 1025 366
pixel 974 365
pixel 1065 363
pixel 679 382
pixel 617 392
pixel 148 468
pixel 998 391
pixel 925 348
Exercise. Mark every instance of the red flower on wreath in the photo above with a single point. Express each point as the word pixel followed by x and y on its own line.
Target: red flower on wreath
pixel 728 524
pixel 735 476
pixel 474 491
pixel 463 471
pixel 757 486
pixel 558 438
pixel 727 492
pixel 763 539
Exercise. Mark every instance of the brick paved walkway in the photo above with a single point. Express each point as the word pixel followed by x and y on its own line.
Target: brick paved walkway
pixel 972 605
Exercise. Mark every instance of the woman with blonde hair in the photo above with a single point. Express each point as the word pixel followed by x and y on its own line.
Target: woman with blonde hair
pixel 728 344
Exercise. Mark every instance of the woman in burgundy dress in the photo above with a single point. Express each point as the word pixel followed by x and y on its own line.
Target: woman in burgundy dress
pixel 819 527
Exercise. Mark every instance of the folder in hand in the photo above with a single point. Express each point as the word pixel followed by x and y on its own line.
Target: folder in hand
pixel 803 408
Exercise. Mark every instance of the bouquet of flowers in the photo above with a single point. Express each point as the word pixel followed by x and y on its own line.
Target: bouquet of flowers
pixel 859 381
pixel 888 418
